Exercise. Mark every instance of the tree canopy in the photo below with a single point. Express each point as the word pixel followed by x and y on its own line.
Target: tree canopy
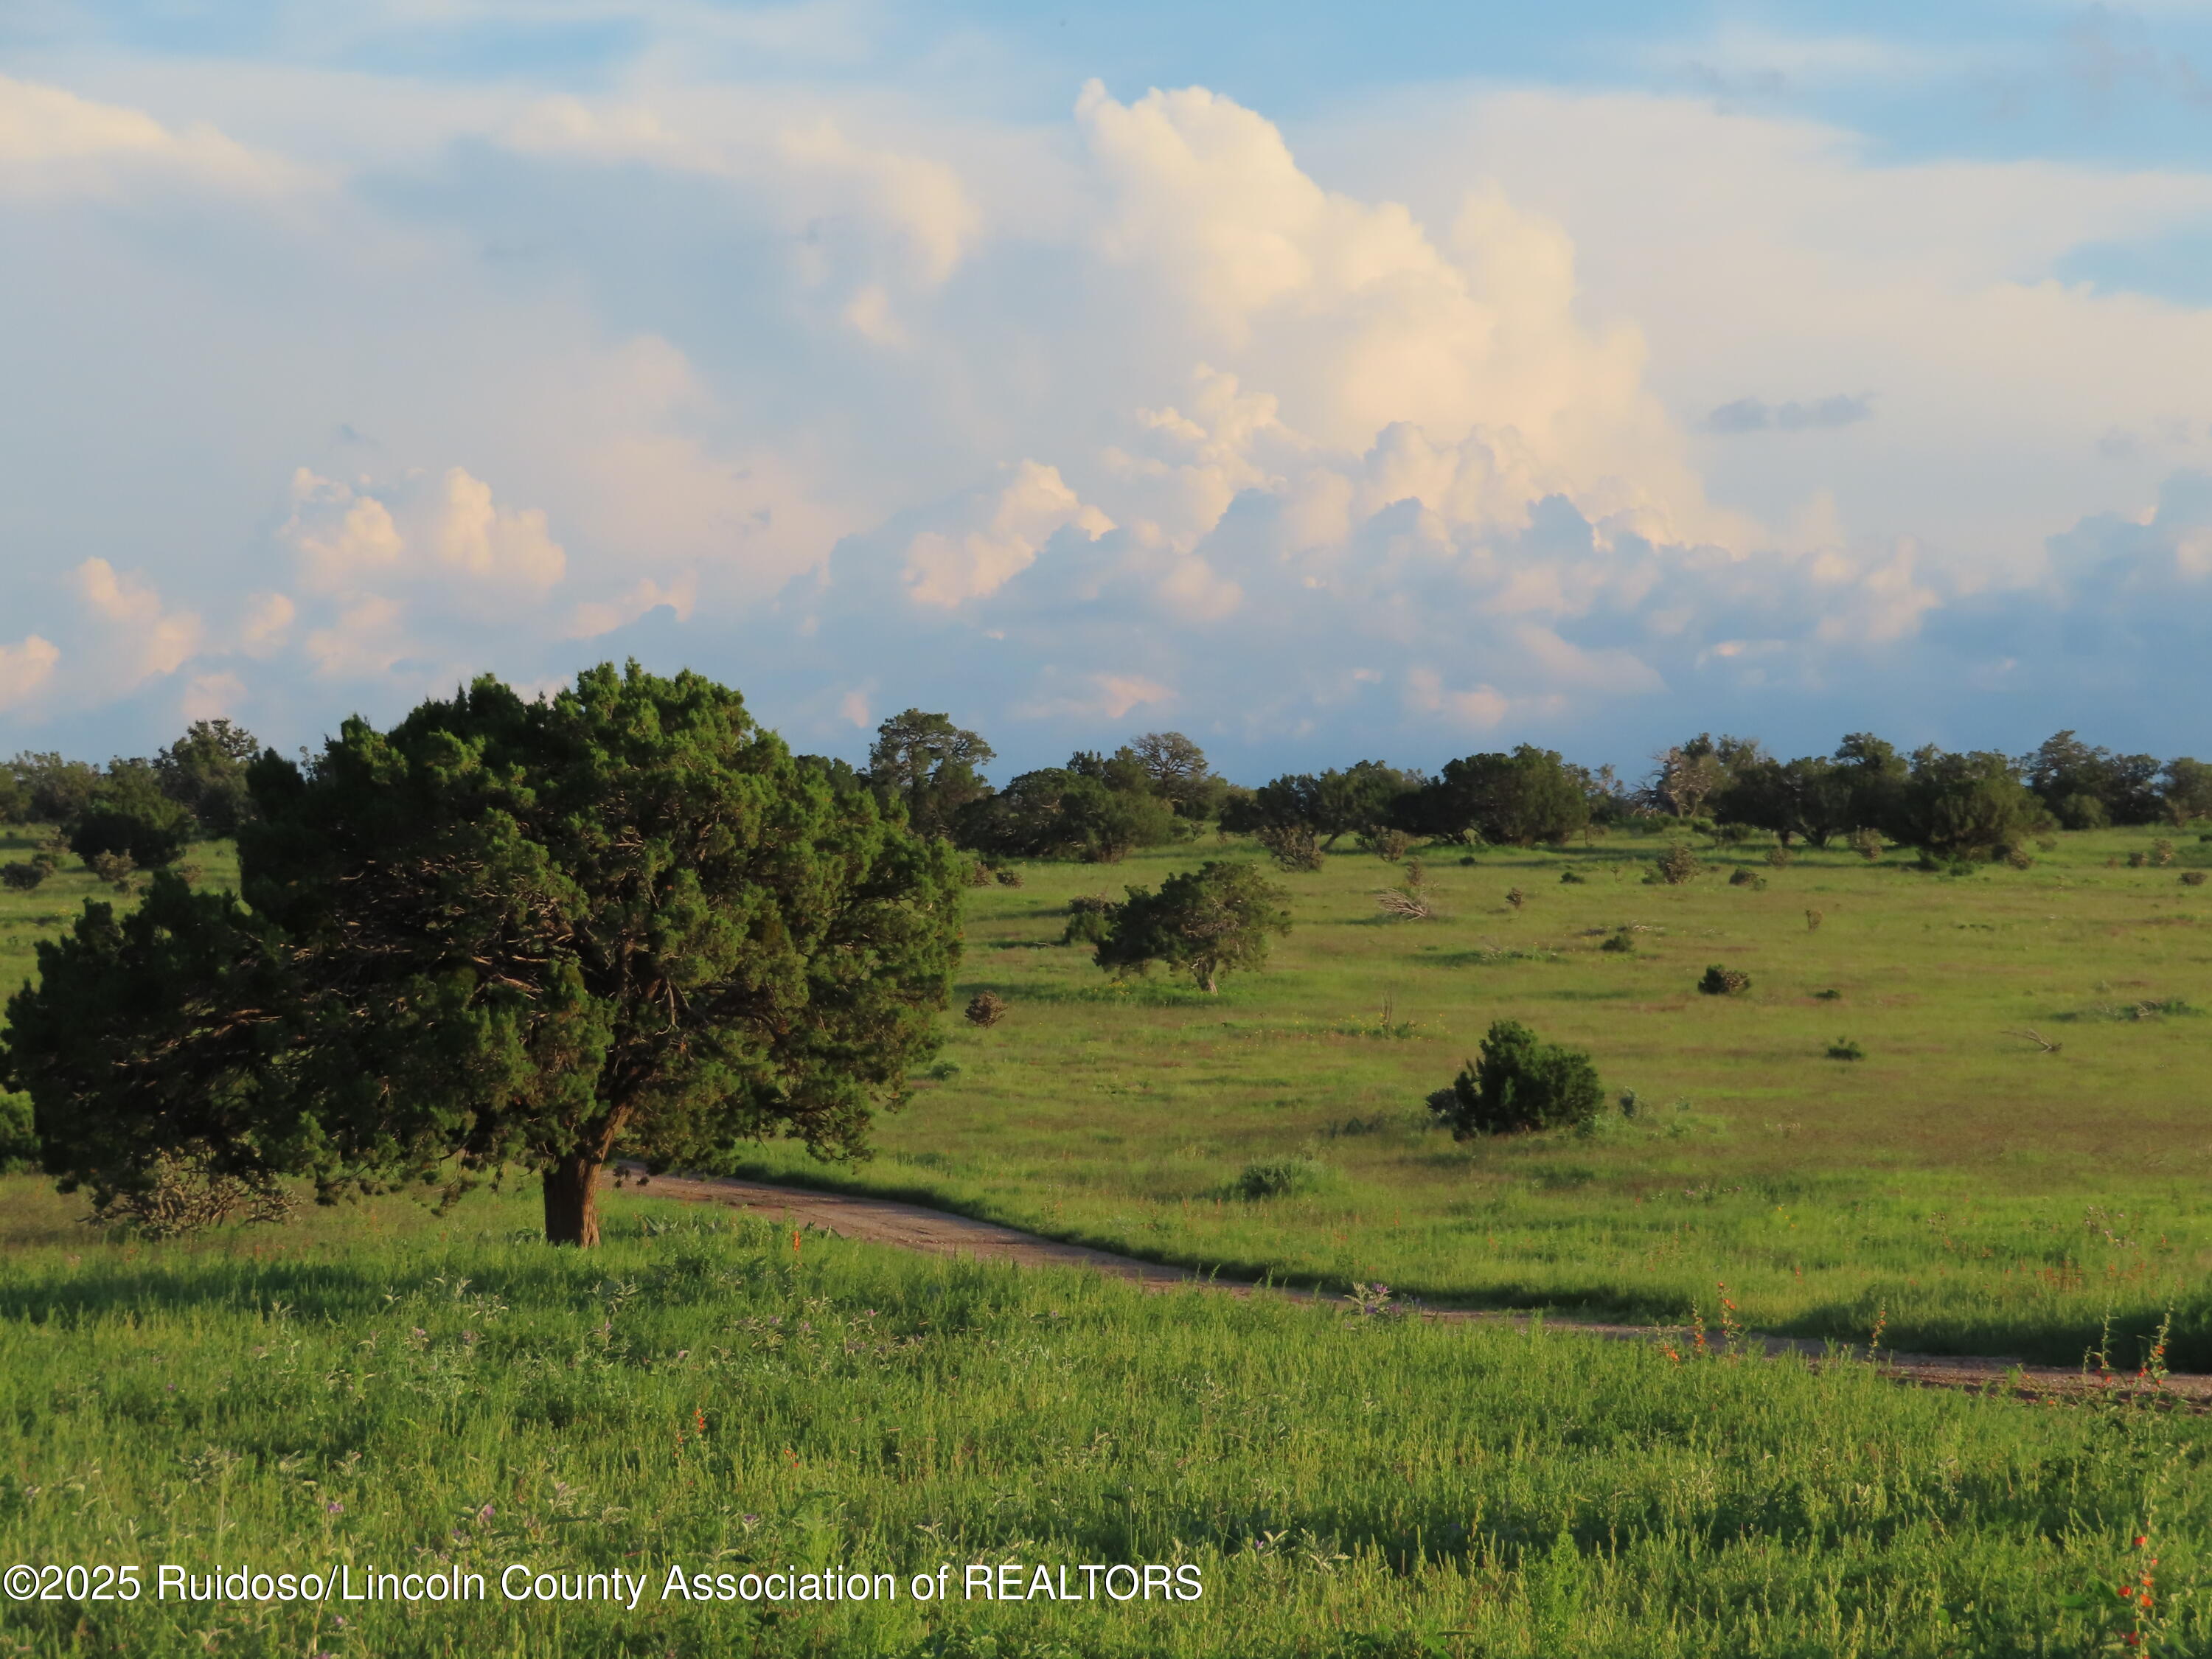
pixel 622 919
pixel 931 766
pixel 1517 799
pixel 1203 922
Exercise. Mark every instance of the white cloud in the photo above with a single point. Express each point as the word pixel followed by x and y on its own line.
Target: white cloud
pixel 949 567
pixel 25 667
pixel 53 142
pixel 140 639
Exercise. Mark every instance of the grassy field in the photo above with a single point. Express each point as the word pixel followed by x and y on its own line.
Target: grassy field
pixel 376 1389
pixel 1980 1194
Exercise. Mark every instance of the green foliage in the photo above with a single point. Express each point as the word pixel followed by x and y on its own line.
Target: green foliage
pixel 1720 981
pixel 162 1041
pixel 1846 1048
pixel 24 876
pixel 1293 847
pixel 19 1135
pixel 2088 788
pixel 1741 876
pixel 1518 800
pixel 2185 789
pixel 1090 916
pixel 1964 805
pixel 1360 800
pixel 1619 942
pixel 1178 772
pixel 1282 1178
pixel 1099 815
pixel 930 767
pixel 986 1009
pixel 48 789
pixel 204 772
pixel 130 816
pixel 1203 922
pixel 1677 865
pixel 1518 1083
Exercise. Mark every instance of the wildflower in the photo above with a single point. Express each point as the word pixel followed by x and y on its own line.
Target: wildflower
pixel 334 1507
pixel 485 1515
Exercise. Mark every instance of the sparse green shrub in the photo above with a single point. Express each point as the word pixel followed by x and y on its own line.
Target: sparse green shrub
pixel 1866 844
pixel 1282 1178
pixel 1466 859
pixel 1518 1082
pixel 1389 845
pixel 2192 877
pixel 19 1136
pixel 1294 847
pixel 1516 897
pixel 1090 917
pixel 979 874
pixel 113 868
pixel 1572 877
pixel 2137 861
pixel 1006 875
pixel 1780 856
pixel 2046 843
pixel 1831 995
pixel 988 1008
pixel 1813 920
pixel 2019 858
pixel 1630 1103
pixel 1721 982
pixel 1443 1103
pixel 1845 1048
pixel 2162 852
pixel 22 878
pixel 1677 865
pixel 1621 942
pixel 1742 876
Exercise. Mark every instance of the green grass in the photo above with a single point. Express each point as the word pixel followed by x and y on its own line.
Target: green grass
pixel 1988 1195
pixel 376 1387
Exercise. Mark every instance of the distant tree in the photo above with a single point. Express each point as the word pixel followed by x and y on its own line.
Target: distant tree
pixel 1807 797
pixel 1059 812
pixel 1180 775
pixel 1684 776
pixel 1519 1083
pixel 1517 799
pixel 129 814
pixel 1964 805
pixel 931 766
pixel 204 773
pixel 2186 789
pixel 1203 922
pixel 51 788
pixel 1873 776
pixel 2087 787
pixel 1356 800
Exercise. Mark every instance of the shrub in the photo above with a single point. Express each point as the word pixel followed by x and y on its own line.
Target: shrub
pixel 2136 860
pixel 1443 1104
pixel 1621 942
pixel 1742 876
pixel 2019 858
pixel 1570 878
pixel 22 878
pixel 1389 845
pixel 19 1136
pixel 2192 877
pixel 128 815
pixel 986 1008
pixel 2046 843
pixel 1518 1082
pixel 1866 844
pixel 1204 922
pixel 113 868
pixel 1090 918
pixel 1282 1178
pixel 1831 995
pixel 1007 876
pixel 1677 865
pixel 1780 856
pixel 1516 897
pixel 2162 852
pixel 1294 847
pixel 1845 1048
pixel 1813 920
pixel 1721 982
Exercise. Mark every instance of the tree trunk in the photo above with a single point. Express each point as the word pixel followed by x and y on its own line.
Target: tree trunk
pixel 1207 979
pixel 572 1201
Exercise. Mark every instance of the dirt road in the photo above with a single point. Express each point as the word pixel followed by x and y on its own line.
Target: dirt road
pixel 939 1232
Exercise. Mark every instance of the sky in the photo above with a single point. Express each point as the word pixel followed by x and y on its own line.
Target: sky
pixel 1323 382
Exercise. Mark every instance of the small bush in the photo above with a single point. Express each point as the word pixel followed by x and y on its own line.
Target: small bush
pixel 1831 995
pixel 19 1136
pixel 1292 846
pixel 1007 876
pixel 1466 859
pixel 1443 1104
pixel 979 875
pixel 2162 852
pixel 1721 982
pixel 1845 1048
pixel 1621 942
pixel 1090 919
pixel 1866 844
pixel 1570 878
pixel 2046 843
pixel 1677 865
pixel 2019 858
pixel 1518 1082
pixel 2136 860
pixel 1389 845
pixel 1780 856
pixel 113 868
pixel 1516 897
pixel 988 1008
pixel 22 878
pixel 2192 877
pixel 1743 877
pixel 1282 1178
pixel 1813 920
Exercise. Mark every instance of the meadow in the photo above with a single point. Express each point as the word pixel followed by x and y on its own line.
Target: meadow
pixel 383 1389
pixel 1972 1187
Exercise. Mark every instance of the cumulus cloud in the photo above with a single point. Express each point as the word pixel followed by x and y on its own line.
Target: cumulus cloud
pixel 25 666
pixel 53 142
pixel 140 636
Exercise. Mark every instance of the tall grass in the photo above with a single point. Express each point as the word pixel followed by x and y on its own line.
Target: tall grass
pixel 706 1390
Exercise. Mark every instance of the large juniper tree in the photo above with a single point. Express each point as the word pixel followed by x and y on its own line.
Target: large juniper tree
pixel 542 933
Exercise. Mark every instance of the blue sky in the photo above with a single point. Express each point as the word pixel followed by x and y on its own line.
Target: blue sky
pixel 1321 382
